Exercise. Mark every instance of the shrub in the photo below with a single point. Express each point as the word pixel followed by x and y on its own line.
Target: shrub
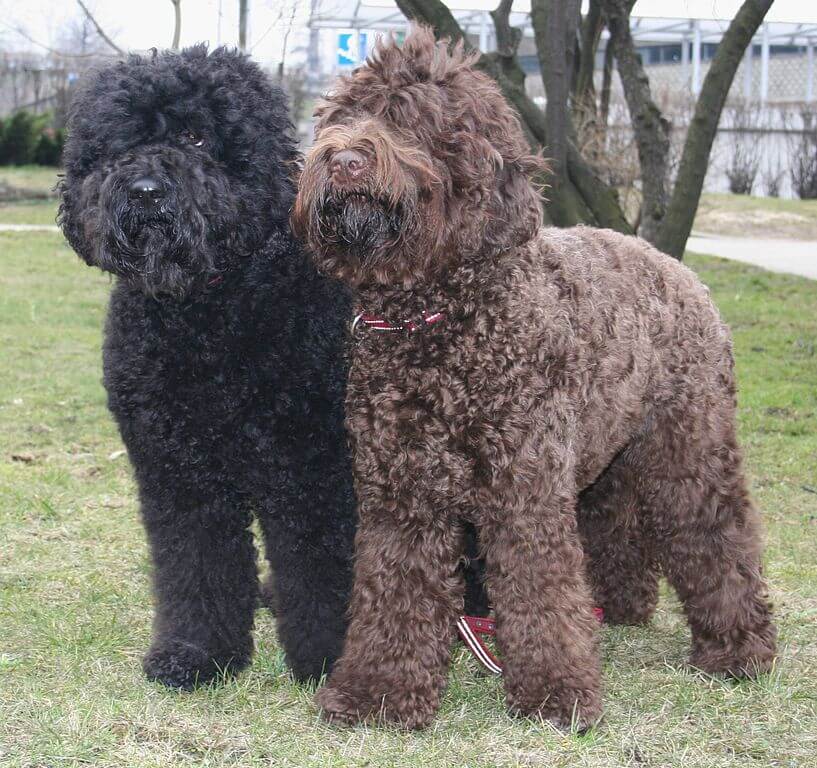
pixel 19 139
pixel 773 178
pixel 804 158
pixel 804 168
pixel 743 166
pixel 26 138
pixel 48 150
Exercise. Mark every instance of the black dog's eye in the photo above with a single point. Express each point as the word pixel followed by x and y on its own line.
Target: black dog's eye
pixel 190 137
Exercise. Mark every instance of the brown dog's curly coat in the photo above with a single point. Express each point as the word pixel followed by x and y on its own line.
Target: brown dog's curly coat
pixel 579 393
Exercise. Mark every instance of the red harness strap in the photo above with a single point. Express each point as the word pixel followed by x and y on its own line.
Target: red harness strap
pixel 471 628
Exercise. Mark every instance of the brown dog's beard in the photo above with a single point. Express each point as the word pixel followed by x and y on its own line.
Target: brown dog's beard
pixel 354 224
pixel 361 238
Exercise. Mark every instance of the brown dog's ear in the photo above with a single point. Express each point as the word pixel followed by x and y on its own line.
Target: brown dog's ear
pixel 514 213
pixel 473 165
pixel 500 207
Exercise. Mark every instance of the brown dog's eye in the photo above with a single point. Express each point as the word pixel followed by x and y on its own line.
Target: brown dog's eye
pixel 193 138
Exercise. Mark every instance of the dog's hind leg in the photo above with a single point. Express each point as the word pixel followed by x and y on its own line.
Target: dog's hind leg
pixel 708 539
pixel 473 570
pixel 205 584
pixel 620 557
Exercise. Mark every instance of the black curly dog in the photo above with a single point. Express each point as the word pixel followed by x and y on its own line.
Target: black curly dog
pixel 223 355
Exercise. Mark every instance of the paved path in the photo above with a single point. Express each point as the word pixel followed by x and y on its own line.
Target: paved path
pixel 29 228
pixel 798 257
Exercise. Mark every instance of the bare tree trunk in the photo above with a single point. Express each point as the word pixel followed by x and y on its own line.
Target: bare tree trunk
pixel 550 28
pixel 177 29
pixel 591 33
pixel 507 42
pixel 243 11
pixel 596 202
pixel 650 127
pixel 692 170
pixel 99 30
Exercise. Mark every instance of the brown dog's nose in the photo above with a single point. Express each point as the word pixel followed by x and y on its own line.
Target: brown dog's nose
pixel 347 166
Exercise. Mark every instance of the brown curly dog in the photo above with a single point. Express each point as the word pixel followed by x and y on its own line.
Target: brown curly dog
pixel 557 388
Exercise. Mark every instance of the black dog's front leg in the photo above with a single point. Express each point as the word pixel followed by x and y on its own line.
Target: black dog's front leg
pixel 309 540
pixel 205 586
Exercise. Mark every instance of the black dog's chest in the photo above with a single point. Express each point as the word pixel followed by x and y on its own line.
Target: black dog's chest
pixel 193 365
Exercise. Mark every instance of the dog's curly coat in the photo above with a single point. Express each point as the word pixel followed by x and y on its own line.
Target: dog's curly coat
pixel 578 391
pixel 223 355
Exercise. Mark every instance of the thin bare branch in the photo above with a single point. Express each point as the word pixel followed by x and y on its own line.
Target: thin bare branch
pixel 54 51
pixel 99 30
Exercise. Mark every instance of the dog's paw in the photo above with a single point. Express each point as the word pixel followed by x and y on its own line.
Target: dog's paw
pixel 342 707
pixel 744 655
pixel 185 666
pixel 407 711
pixel 569 711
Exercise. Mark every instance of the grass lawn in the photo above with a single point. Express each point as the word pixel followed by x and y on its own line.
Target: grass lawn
pixel 33 212
pixel 764 217
pixel 75 601
pixel 33 177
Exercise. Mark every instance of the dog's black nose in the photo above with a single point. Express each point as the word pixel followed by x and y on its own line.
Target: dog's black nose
pixel 146 191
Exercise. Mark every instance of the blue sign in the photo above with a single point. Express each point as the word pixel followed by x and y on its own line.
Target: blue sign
pixel 351 48
pixel 361 47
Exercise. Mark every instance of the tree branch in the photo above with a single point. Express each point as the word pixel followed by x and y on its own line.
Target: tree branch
pixel 99 30
pixel 695 158
pixel 53 51
pixel 507 42
pixel 507 37
pixel 606 87
pixel 650 127
pixel 437 15
pixel 591 33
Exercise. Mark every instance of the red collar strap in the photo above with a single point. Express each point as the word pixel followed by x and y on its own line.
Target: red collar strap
pixel 374 323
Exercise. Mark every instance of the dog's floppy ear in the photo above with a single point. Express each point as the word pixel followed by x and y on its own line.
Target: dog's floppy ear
pixel 70 222
pixel 514 213
pixel 472 164
pixel 501 208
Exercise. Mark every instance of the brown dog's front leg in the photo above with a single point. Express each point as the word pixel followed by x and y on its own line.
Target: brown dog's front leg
pixel 546 630
pixel 405 600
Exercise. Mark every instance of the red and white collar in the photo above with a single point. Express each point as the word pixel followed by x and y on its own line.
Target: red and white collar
pixel 374 323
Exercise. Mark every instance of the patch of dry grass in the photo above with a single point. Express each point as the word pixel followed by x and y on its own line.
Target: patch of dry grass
pixel 765 217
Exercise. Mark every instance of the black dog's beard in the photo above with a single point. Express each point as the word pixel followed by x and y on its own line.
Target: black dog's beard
pixel 167 252
pixel 355 224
